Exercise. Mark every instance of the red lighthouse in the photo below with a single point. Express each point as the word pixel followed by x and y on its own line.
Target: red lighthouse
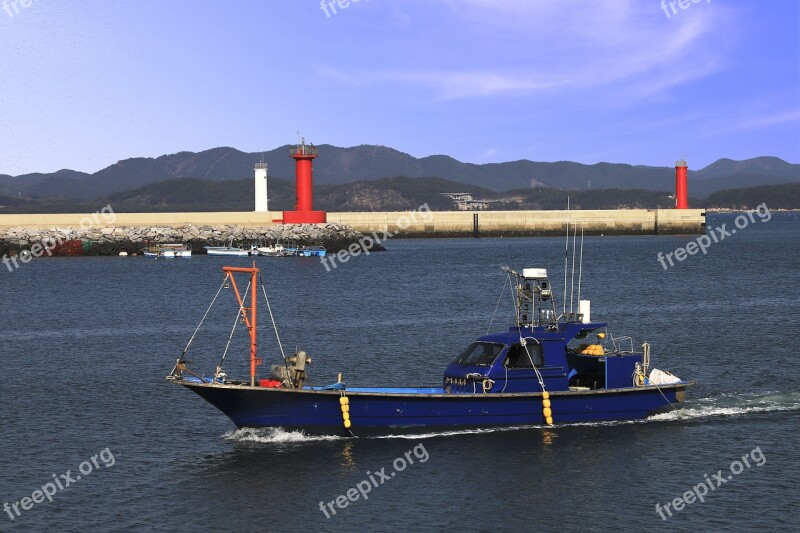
pixel 681 185
pixel 304 213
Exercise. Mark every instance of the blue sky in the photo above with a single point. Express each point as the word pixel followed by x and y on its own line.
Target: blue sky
pixel 86 83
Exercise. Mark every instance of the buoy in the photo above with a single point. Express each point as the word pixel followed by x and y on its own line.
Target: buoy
pixel 344 403
pixel 546 411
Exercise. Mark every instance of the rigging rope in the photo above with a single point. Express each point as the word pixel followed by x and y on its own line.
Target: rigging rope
pixel 496 307
pixel 275 328
pixel 546 411
pixel 203 319
pixel 235 322
pixel 272 318
pixel 678 411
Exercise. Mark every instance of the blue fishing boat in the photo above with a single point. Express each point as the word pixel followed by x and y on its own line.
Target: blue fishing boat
pixel 311 251
pixel 546 368
pixel 301 250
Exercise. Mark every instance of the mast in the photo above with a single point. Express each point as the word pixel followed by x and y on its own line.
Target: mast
pixel 249 314
pixel 532 292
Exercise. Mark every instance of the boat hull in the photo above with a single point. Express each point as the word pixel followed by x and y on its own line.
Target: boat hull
pixel 233 252
pixel 168 251
pixel 422 410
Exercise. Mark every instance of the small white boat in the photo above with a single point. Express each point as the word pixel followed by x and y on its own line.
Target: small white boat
pixel 169 251
pixel 273 250
pixel 238 250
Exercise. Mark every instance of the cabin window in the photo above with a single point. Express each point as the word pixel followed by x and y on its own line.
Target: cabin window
pixel 480 353
pixel 518 357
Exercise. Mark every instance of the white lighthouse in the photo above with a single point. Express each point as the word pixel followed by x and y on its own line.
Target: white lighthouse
pixel 261 187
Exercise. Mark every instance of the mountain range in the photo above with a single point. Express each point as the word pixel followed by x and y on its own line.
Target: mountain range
pixel 390 194
pixel 365 163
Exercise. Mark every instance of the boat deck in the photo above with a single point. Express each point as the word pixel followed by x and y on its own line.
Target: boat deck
pixel 384 390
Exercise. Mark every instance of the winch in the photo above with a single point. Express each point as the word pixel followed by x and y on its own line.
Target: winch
pixel 293 372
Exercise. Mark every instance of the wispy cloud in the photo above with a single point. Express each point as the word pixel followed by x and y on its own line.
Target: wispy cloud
pixel 564 45
pixel 448 84
pixel 464 84
pixel 738 121
pixel 781 117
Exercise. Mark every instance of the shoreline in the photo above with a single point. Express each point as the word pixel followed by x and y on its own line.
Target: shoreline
pixel 108 233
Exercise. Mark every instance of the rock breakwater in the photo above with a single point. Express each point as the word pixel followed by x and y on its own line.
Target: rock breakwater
pixel 111 240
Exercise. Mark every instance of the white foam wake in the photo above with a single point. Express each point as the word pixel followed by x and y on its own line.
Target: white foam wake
pixel 732 405
pixel 455 432
pixel 274 435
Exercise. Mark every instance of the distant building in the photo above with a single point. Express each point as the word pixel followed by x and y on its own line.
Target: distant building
pixel 458 196
pixel 464 201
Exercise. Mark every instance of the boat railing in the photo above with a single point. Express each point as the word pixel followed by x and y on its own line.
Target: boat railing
pixel 623 344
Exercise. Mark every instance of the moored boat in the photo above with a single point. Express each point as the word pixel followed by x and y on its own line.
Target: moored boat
pixel 311 251
pixel 239 250
pixel 546 368
pixel 302 250
pixel 169 251
pixel 273 250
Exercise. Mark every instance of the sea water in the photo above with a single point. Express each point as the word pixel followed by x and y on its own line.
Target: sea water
pixel 86 343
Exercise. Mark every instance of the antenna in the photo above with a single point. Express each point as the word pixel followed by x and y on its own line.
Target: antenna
pixel 572 289
pixel 566 254
pixel 580 270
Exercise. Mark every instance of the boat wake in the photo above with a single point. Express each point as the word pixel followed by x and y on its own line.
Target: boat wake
pixel 457 432
pixel 733 405
pixel 275 436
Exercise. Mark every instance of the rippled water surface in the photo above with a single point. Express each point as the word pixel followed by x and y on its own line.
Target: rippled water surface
pixel 86 343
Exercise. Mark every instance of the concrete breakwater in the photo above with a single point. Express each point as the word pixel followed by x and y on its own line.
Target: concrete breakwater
pixel 527 223
pixel 111 240
pixel 407 223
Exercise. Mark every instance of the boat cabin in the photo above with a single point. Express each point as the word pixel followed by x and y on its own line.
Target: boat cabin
pixel 568 358
pixel 560 352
